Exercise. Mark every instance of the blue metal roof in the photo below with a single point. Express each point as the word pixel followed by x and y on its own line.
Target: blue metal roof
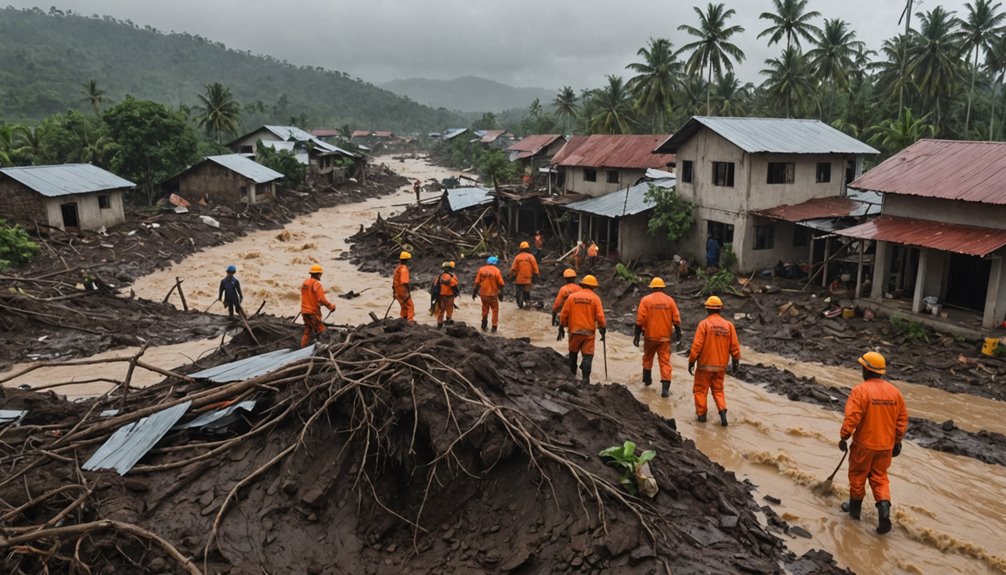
pixel 453 133
pixel 246 167
pixel 66 179
pixel 464 198
pixel 253 366
pixel 771 136
pixel 132 441
pixel 627 202
pixel 290 133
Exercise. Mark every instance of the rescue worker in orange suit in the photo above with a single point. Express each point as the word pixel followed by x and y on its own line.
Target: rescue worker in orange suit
pixel 444 290
pixel 592 253
pixel 656 318
pixel 312 297
pixel 488 287
pixel 524 272
pixel 876 419
pixel 579 254
pixel 581 315
pixel 539 245
pixel 401 288
pixel 564 292
pixel 714 344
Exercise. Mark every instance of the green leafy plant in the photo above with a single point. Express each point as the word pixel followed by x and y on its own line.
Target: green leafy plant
pixel 626 274
pixel 625 458
pixel 15 246
pixel 913 331
pixel 728 259
pixel 284 162
pixel 720 282
pixel 673 215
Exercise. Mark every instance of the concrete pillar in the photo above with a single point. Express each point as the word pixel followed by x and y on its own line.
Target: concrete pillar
pixel 859 269
pixel 995 298
pixel 881 270
pixel 920 280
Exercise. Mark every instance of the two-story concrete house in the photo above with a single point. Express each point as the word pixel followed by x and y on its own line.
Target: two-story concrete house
pixel 732 167
pixel 601 164
pixel 942 229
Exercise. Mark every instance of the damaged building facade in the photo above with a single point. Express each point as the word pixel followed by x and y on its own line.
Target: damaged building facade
pixel 230 178
pixel 69 197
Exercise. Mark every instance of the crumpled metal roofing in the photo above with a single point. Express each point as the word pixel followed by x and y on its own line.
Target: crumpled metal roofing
pixel 771 136
pixel 613 151
pixel 12 415
pixel 289 133
pixel 209 417
pixel 627 202
pixel 332 148
pixel 830 207
pixel 464 198
pixel 957 238
pixel 253 366
pixel 66 179
pixel 241 164
pixel 453 133
pixel 946 169
pixel 132 441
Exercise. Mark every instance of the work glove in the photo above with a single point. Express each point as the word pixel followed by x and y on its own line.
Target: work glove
pixel 603 331
pixel 844 445
pixel 677 333
pixel 636 335
pixel 691 368
pixel 562 333
pixel 897 450
pixel 735 366
pixel 534 278
pixel 555 319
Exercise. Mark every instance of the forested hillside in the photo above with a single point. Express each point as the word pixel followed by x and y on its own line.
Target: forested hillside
pixel 468 93
pixel 48 57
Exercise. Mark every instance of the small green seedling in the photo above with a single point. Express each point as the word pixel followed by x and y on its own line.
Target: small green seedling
pixel 625 458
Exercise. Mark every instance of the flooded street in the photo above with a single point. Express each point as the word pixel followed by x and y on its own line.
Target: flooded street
pixel 949 511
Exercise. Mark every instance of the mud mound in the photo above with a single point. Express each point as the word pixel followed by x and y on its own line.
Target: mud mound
pixel 397 449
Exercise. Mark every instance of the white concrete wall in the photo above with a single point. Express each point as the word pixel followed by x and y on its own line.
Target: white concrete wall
pixel 763 195
pixel 251 139
pixel 575 181
pixel 90 215
pixel 950 211
pixel 783 248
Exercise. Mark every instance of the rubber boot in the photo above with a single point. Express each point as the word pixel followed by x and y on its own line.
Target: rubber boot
pixel 723 417
pixel 665 388
pixel 572 363
pixel 854 507
pixel 492 330
pixel 585 366
pixel 440 324
pixel 701 418
pixel 647 377
pixel 485 323
pixel 883 517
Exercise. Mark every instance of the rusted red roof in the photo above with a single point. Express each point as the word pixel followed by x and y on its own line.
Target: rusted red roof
pixel 957 238
pixel 490 136
pixel 360 134
pixel 831 207
pixel 325 132
pixel 947 169
pixel 603 151
pixel 533 143
pixel 384 134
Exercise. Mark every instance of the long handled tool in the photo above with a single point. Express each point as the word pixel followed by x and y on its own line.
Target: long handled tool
pixel 210 306
pixel 824 487
pixel 387 311
pixel 604 350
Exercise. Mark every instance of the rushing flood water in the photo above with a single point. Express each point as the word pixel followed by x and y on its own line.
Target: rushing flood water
pixel 950 511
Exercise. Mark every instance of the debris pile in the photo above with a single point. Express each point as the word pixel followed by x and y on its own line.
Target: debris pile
pixel 393 448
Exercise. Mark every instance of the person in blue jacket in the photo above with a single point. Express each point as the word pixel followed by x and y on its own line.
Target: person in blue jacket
pixel 712 253
pixel 230 292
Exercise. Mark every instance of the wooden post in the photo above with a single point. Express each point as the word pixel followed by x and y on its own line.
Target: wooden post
pixel 824 264
pixel 178 283
pixel 859 269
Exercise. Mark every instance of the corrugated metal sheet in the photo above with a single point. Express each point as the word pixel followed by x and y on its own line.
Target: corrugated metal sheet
pixel 253 366
pixel 833 207
pixel 604 151
pixel 464 198
pixel 771 136
pixel 12 415
pixel 289 133
pixel 66 179
pixel 950 170
pixel 209 417
pixel 325 132
pixel 533 144
pixel 132 441
pixel 490 136
pixel 453 133
pixel 332 149
pixel 278 146
pixel 384 134
pixel 248 168
pixel 970 240
pixel 627 202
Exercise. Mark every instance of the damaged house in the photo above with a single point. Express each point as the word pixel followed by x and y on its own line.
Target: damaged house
pixel 734 168
pixel 535 151
pixel 326 163
pixel 230 178
pixel 941 235
pixel 69 197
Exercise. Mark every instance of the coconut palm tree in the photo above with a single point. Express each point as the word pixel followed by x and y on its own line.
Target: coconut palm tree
pixel 791 20
pixel 789 81
pixel 6 145
pixel 219 112
pixel 898 134
pixel 892 69
pixel 655 81
pixel 995 63
pixel 833 56
pixel 935 60
pixel 712 50
pixel 730 97
pixel 981 27
pixel 30 144
pixel 94 96
pixel 566 106
pixel 613 108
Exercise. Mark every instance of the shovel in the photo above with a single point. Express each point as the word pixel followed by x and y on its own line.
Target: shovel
pixel 387 311
pixel 824 488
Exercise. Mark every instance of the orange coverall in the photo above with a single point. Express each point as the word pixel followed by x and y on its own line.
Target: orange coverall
pixel 876 418
pixel 488 281
pixel 312 297
pixel 401 289
pixel 715 342
pixel 564 292
pixel 523 270
pixel 657 315
pixel 581 315
pixel 448 291
pixel 539 241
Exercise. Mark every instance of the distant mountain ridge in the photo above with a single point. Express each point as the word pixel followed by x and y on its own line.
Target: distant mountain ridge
pixel 468 94
pixel 48 57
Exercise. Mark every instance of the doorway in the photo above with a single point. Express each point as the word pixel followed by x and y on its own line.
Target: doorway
pixel 968 281
pixel 70 221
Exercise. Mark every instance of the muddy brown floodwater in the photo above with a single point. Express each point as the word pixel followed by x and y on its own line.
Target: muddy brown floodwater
pixel 950 511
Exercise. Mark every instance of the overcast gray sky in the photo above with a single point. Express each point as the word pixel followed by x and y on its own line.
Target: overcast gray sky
pixel 543 43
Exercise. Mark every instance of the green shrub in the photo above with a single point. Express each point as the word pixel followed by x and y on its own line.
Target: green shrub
pixel 15 246
pixel 914 331
pixel 626 274
pixel 625 458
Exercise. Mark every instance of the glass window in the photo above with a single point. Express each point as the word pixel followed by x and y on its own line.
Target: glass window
pixel 764 236
pixel 104 202
pixel 781 172
pixel 686 171
pixel 723 174
pixel 823 172
pixel 613 176
pixel 590 175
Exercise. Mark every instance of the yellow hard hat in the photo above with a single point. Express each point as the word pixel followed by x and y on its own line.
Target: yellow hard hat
pixel 524 245
pixel 589 281
pixel 657 283
pixel 714 302
pixel 448 265
pixel 874 362
pixel 316 269
pixel 405 256
pixel 569 273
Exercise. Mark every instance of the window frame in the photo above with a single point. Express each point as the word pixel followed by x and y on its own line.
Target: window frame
pixel 609 173
pixel 687 171
pixel 104 201
pixel 780 173
pixel 589 174
pixel 820 176
pixel 727 179
pixel 762 241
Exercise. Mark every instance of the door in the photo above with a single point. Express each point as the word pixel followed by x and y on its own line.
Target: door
pixel 968 281
pixel 70 221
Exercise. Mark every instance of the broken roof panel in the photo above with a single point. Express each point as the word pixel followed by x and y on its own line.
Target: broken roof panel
pixel 132 441
pixel 66 179
pixel 533 144
pixel 830 207
pixel 453 133
pixel 253 366
pixel 12 415
pixel 957 238
pixel 627 202
pixel 618 151
pixel 208 418
pixel 945 169
pixel 770 136
pixel 464 198
pixel 289 133
pixel 241 164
